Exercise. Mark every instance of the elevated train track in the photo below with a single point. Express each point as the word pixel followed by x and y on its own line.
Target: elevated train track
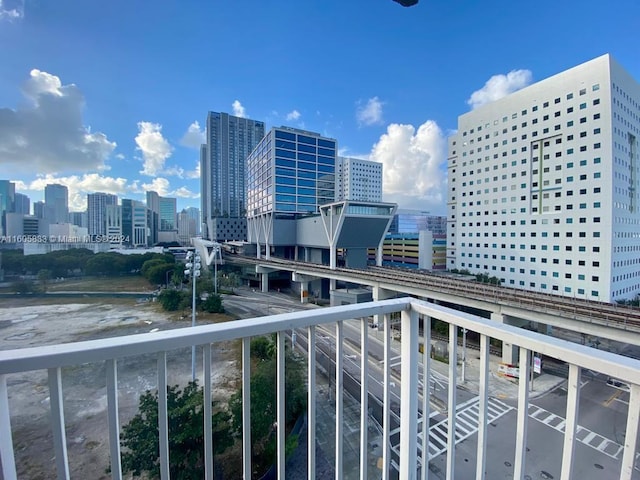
pixel 613 315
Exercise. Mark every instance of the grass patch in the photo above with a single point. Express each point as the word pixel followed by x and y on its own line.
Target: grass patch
pixel 129 283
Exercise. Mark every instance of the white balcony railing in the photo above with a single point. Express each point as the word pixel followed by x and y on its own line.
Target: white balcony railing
pixel 414 395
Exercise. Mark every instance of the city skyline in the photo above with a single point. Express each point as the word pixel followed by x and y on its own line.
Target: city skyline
pixel 118 106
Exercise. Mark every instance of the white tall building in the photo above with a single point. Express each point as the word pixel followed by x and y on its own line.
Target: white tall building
pixel 543 186
pixel 97 211
pixel 358 179
pixel 113 225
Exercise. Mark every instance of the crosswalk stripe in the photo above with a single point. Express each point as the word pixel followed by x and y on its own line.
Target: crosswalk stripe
pixel 583 435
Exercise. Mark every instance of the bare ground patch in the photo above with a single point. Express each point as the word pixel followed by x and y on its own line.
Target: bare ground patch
pixel 84 386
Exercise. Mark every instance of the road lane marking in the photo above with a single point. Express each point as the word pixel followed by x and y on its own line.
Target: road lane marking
pixel 592 439
pixel 610 400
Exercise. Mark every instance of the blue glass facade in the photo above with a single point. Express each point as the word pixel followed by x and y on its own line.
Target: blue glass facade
pixel 291 172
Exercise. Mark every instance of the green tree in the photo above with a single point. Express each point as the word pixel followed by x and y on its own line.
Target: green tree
pixel 213 304
pixel 149 264
pixel 158 273
pixel 171 300
pixel 263 398
pixel 139 437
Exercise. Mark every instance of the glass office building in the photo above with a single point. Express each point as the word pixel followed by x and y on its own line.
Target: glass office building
pixel 290 173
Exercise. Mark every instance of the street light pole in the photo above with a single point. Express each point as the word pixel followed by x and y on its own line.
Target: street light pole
pixel 193 269
pixel 216 250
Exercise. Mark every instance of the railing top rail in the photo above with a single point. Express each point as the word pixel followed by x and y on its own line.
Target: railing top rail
pixel 624 368
pixel 53 356
pixel 34 358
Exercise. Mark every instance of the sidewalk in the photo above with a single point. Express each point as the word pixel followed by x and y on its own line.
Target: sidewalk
pixel 499 386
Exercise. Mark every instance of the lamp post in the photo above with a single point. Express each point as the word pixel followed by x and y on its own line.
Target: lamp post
pixel 193 269
pixel 216 253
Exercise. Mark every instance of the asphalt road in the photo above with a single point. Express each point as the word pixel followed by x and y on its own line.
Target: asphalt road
pixel 602 413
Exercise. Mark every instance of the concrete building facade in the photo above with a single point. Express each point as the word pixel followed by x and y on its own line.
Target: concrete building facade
pixel 543 185
pixel 56 201
pixel 223 184
pixel 358 179
pixel 97 211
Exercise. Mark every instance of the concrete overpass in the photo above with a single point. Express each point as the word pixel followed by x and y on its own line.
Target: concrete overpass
pixel 502 304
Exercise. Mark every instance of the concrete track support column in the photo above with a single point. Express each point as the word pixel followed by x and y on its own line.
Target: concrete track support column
pixel 265 282
pixel 381 294
pixel 509 351
pixel 304 281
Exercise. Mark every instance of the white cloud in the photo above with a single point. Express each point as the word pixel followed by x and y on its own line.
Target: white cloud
pixel 184 192
pixel 11 9
pixel 194 137
pixel 159 185
pixel 293 115
pixel 413 165
pixel 370 113
pixel 163 188
pixel 500 86
pixel 154 147
pixel 79 186
pixel 46 135
pixel 193 173
pixel 238 109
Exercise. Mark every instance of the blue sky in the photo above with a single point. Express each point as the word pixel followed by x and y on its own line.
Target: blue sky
pixel 105 96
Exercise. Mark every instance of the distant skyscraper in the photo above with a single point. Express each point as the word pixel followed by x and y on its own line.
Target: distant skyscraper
pixel 97 211
pixel 56 200
pixel 78 219
pixel 194 213
pixel 358 179
pixel 39 210
pixel 153 204
pixel 186 227
pixel 167 208
pixel 7 198
pixel 22 204
pixel 134 223
pixel 113 221
pixel 230 139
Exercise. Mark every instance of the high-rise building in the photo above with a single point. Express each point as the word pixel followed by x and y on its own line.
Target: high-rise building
pixel 97 211
pixel 79 219
pixel 39 209
pixel 162 218
pixel 194 213
pixel 168 214
pixel 358 179
pixel 56 200
pixel 186 227
pixel 22 204
pixel 291 173
pixel 223 159
pixel 113 221
pixel 153 205
pixel 135 228
pixel 543 185
pixel 7 198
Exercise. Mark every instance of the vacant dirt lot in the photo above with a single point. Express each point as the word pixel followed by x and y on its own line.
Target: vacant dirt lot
pixel 25 324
